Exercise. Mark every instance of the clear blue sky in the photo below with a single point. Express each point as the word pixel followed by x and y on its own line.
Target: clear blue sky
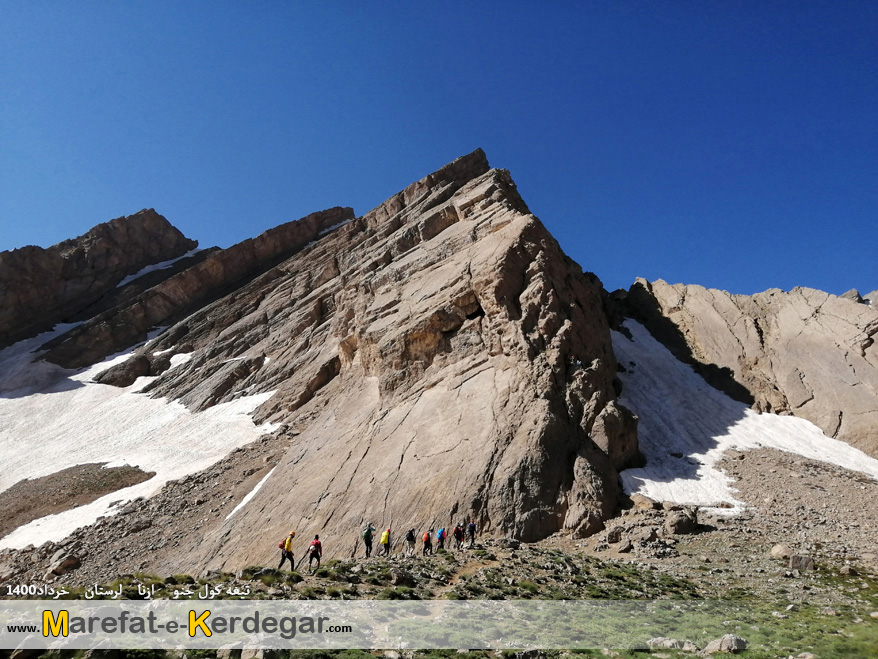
pixel 729 144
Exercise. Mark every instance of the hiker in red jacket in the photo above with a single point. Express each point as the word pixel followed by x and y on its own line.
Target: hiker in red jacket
pixel 315 551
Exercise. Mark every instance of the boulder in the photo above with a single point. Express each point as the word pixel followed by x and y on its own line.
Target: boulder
pixel 781 551
pixel 64 564
pixel 728 643
pixel 642 502
pixel 680 522
pixel 664 643
pixel 400 577
pixel 802 563
pixel 641 534
pixel 614 535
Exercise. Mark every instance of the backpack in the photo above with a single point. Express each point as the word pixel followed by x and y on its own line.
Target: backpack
pixel 440 534
pixel 410 536
pixel 367 533
pixel 280 545
pixel 315 547
pixel 426 537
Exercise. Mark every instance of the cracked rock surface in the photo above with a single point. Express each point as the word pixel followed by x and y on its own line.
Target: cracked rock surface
pixel 802 352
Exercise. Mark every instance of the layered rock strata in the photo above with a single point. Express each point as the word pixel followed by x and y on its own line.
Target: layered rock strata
pixel 220 272
pixel 802 352
pixel 41 287
pixel 438 358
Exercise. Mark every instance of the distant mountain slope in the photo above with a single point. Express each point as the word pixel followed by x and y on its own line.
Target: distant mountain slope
pixel 41 287
pixel 802 352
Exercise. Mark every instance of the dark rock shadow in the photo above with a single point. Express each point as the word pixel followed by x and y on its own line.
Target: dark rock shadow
pixel 23 373
pixel 638 303
pixel 682 419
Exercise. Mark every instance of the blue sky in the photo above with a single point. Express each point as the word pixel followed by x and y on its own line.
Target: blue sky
pixel 728 144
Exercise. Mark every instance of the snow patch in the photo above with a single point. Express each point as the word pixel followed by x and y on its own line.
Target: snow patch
pixel 179 359
pixel 53 418
pixel 251 493
pixel 334 227
pixel 681 414
pixel 154 267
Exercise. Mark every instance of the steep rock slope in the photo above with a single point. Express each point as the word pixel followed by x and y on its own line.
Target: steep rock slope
pixel 41 287
pixel 802 352
pixel 435 359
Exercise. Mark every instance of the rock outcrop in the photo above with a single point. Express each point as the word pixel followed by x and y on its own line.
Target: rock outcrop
pixel 220 272
pixel 435 359
pixel 41 287
pixel 802 352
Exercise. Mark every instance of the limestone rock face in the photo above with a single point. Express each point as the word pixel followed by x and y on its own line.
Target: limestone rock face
pixel 802 352
pixel 435 359
pixel 41 287
pixel 128 323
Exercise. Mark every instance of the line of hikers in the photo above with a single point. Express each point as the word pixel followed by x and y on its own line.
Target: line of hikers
pixel 457 533
pixel 315 549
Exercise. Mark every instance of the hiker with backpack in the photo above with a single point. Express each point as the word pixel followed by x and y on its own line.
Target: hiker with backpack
pixel 315 551
pixel 410 542
pixel 458 536
pixel 368 532
pixel 440 538
pixel 471 533
pixel 385 543
pixel 286 551
pixel 428 543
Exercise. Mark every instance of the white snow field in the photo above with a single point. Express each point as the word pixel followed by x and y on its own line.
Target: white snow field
pixel 680 413
pixel 53 418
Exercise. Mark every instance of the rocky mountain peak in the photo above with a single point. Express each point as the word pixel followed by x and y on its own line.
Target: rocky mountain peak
pixel 435 359
pixel 41 287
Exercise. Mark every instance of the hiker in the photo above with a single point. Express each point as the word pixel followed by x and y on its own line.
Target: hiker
pixel 428 543
pixel 368 531
pixel 471 533
pixel 315 551
pixel 458 536
pixel 440 538
pixel 385 543
pixel 286 551
pixel 410 542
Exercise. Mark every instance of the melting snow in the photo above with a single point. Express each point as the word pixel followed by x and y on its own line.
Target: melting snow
pixel 251 493
pixel 332 228
pixel 53 418
pixel 154 267
pixel 681 414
